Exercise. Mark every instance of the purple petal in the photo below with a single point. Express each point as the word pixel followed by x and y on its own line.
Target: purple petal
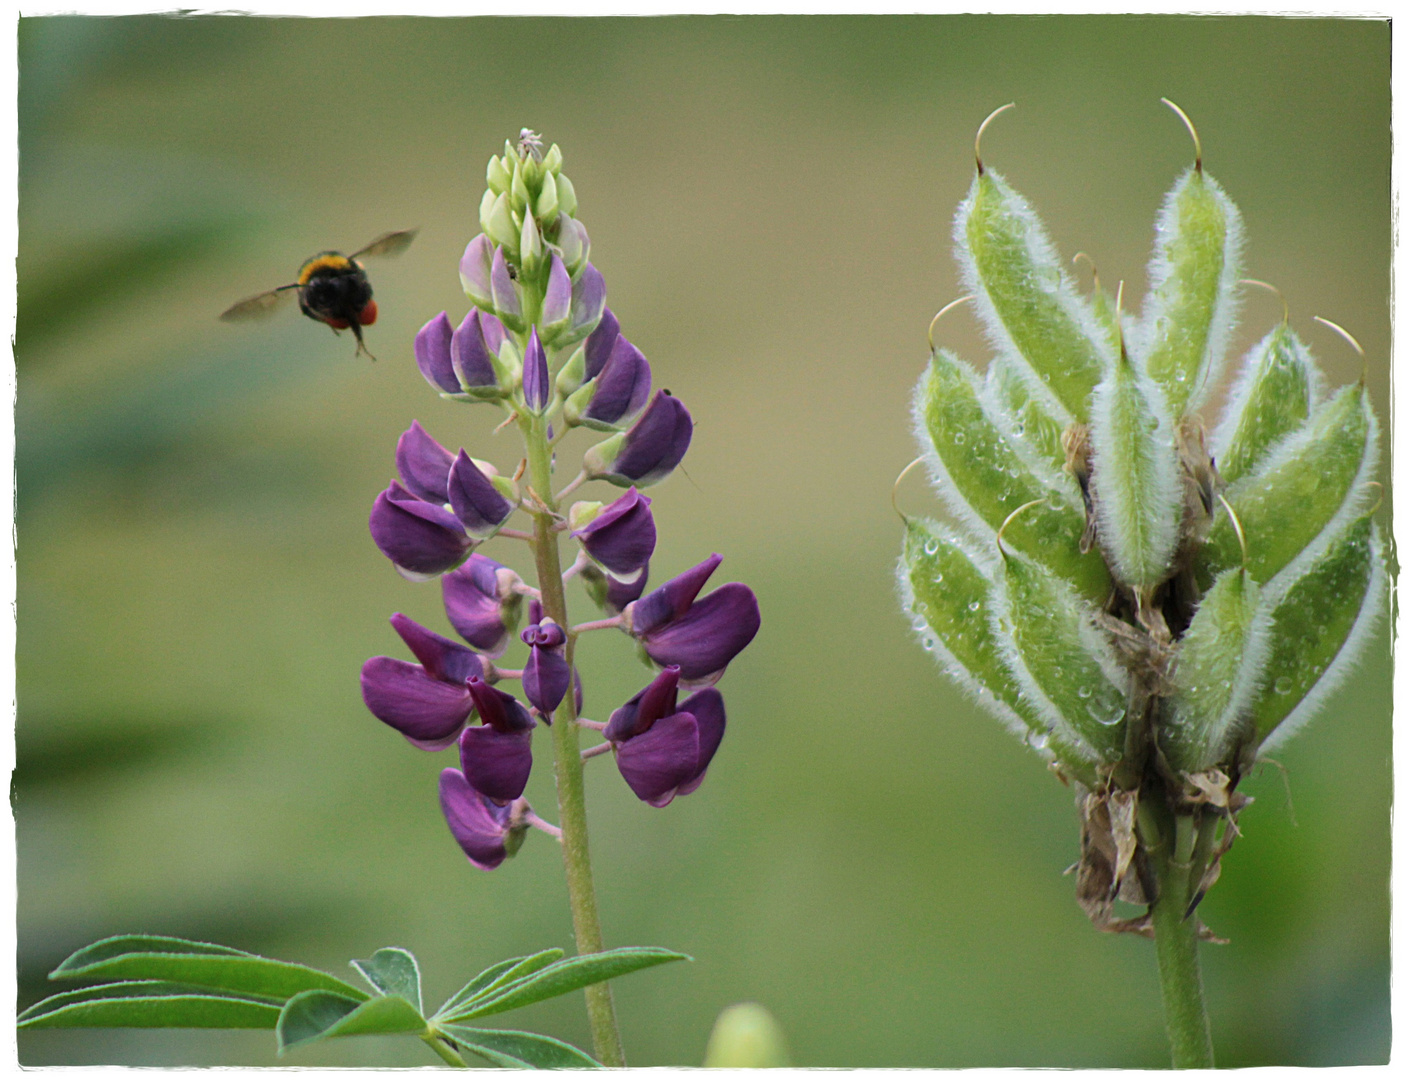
pixel 423 463
pixel 443 659
pixel 537 388
pixel 495 762
pixel 499 710
pixel 545 679
pixel 672 599
pixel 433 355
pixel 572 240
pixel 416 535
pixel 427 711
pixel 506 302
pixel 655 444
pixel 622 537
pixel 622 388
pixel 545 634
pixel 473 605
pixel 476 501
pixel 557 299
pixel 707 708
pixel 477 824
pixel 588 303
pixel 475 270
pixel 637 716
pixel 710 634
pixel 469 351
pixel 600 343
pixel 658 762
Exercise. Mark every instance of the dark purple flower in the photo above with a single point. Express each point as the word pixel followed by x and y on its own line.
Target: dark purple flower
pixel 546 675
pixel 427 702
pixel 600 343
pixel 588 302
pixel 649 451
pixel 497 755
pixel 433 355
pixel 622 537
pixel 619 392
pixel 479 825
pixel 701 637
pixel 421 538
pixel 482 603
pixel 474 344
pixel 478 504
pixel 424 464
pixel 507 305
pixel 664 749
pixel 476 269
pixel 537 388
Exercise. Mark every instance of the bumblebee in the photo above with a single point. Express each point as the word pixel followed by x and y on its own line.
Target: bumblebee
pixel 332 288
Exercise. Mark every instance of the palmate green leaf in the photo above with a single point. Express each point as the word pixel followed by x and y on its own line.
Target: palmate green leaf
pixel 492 979
pixel 196 963
pixel 151 1004
pixel 563 977
pixel 322 1014
pixel 392 971
pixel 519 1049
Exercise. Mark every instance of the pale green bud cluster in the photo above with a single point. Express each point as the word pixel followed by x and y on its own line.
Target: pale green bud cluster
pixel 1131 590
pixel 526 193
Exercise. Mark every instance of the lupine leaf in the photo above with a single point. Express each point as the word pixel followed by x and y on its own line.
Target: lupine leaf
pixel 519 1049
pixel 951 595
pixel 392 971
pixel 197 963
pixel 1319 472
pixel 1134 461
pixel 322 1014
pixel 1219 664
pixel 565 976
pixel 1059 659
pixel 988 479
pixel 150 1004
pixel 1025 296
pixel 1193 279
pixel 1336 600
pixel 501 974
pixel 1271 399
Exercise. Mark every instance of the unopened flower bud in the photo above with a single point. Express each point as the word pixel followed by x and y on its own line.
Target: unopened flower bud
pixel 621 538
pixel 497 177
pixel 432 350
pixel 507 305
pixel 476 267
pixel 482 603
pixel 588 302
pixel 746 1037
pixel 566 195
pixel 649 451
pixel 616 396
pixel 557 301
pixel 498 224
pixel 545 206
pixel 537 386
pixel 473 354
pixel 572 242
pixel 530 245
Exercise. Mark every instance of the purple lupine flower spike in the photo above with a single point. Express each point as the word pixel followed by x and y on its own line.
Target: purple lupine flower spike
pixel 470 350
pixel 622 537
pixel 427 703
pixel 557 299
pixel 537 387
pixel 424 464
pixel 479 825
pixel 546 675
pixel 421 538
pixel 433 355
pixel 482 603
pixel 663 749
pixel 478 504
pixel 649 451
pixel 507 305
pixel 600 343
pixel 496 756
pixel 701 637
pixel 476 270
pixel 621 391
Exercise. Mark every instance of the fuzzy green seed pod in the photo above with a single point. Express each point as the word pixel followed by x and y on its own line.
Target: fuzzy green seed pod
pixel 985 478
pixel 1025 297
pixel 1219 664
pixel 1193 287
pixel 1320 472
pixel 1034 416
pixel 1273 395
pixel 1319 628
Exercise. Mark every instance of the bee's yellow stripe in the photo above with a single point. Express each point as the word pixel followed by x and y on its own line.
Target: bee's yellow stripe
pixel 322 262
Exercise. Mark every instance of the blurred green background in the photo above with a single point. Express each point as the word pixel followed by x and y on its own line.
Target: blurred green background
pixel 770 201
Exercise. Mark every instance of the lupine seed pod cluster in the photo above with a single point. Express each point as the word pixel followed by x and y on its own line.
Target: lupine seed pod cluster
pixel 1153 600
pixel 540 343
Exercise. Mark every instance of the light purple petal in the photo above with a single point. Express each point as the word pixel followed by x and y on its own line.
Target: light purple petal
pixel 469 350
pixel 588 303
pixel 433 355
pixel 506 302
pixel 475 270
pixel 537 387
pixel 496 763
pixel 600 343
pixel 476 501
pixel 477 824
pixel 557 299
pixel 710 634
pixel 423 463
pixel 426 710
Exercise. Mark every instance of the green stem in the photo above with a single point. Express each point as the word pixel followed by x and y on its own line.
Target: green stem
pixel 446 1052
pixel 1176 942
pixel 571 791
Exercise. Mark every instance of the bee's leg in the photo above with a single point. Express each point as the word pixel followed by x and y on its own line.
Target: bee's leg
pixel 362 349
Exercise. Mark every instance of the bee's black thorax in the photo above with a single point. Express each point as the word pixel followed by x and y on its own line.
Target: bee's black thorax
pixel 333 289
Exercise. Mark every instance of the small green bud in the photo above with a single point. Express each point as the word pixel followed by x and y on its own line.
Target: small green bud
pixel 519 197
pixel 508 366
pixel 545 208
pixel 746 1037
pixel 552 160
pixel 486 207
pixel 497 176
pixel 498 224
pixel 582 514
pixel 1025 296
pixel 530 245
pixel 566 195
pixel 597 461
pixel 1272 398
pixel 577 403
pixel 1193 279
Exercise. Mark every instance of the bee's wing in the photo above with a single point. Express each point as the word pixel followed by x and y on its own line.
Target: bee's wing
pixel 257 307
pixel 392 243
